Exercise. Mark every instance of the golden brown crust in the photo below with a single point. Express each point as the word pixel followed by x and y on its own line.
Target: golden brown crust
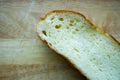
pixel 114 39
pixel 92 25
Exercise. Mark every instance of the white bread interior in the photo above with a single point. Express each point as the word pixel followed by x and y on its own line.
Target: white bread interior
pixel 93 53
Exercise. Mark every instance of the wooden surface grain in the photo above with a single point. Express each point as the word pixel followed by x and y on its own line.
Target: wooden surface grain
pixel 39 72
pixel 24 57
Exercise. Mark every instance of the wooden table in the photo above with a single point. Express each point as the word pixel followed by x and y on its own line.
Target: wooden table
pixel 24 57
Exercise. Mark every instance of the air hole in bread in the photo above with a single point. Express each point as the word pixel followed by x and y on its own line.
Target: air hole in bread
pixel 100 69
pixel 71 21
pixel 58 26
pixel 93 59
pixel 50 44
pixel 61 19
pixel 108 56
pixel 77 19
pixel 71 24
pixel 76 50
pixel 93 34
pixel 44 32
pixel 76 29
pixel 67 27
pixel 52 18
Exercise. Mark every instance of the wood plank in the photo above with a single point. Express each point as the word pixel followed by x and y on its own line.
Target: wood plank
pixel 27 51
pixel 39 72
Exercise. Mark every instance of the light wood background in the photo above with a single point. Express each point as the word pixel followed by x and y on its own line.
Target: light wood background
pixel 24 57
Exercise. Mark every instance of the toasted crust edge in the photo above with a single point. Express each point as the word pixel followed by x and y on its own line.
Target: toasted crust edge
pixel 92 26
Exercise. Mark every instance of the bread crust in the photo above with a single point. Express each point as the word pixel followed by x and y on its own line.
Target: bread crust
pixel 92 26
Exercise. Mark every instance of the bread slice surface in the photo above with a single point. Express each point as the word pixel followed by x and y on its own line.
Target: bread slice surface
pixel 91 50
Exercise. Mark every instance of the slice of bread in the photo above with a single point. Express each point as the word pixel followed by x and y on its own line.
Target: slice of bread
pixel 92 51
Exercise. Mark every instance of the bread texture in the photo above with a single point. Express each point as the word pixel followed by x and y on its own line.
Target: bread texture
pixel 90 49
